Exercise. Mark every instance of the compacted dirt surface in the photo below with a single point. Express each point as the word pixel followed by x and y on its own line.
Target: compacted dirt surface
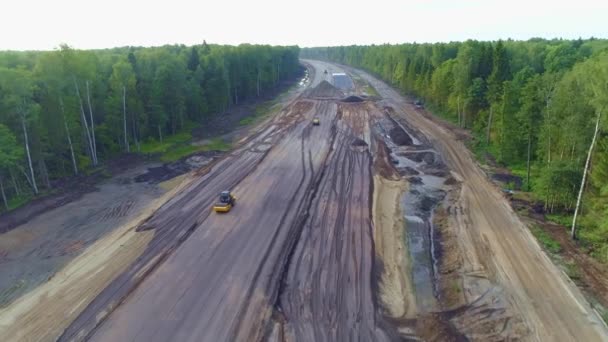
pixel 375 225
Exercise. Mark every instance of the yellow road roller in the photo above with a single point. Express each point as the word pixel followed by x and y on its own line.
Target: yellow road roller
pixel 225 202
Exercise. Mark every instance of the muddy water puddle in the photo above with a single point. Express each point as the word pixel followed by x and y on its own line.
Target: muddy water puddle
pixel 414 163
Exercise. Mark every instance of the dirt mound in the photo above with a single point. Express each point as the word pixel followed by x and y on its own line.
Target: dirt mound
pixel 325 89
pixel 359 142
pixel 353 99
pixel 167 171
pixel 400 137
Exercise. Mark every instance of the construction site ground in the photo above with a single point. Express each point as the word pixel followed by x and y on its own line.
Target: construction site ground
pixel 376 225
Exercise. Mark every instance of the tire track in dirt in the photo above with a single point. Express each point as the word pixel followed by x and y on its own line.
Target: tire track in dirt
pixel 329 291
pixel 175 221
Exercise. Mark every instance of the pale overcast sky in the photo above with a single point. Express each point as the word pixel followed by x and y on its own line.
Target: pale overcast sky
pixel 44 24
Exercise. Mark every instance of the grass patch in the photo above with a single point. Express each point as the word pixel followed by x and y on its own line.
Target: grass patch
pixel 217 144
pixel 153 146
pixel 371 91
pixel 180 151
pixel 17 201
pixel 562 219
pixel 572 270
pixel 247 121
pixel 546 240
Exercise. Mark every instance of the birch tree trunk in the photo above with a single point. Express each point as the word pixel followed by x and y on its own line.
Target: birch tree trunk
pixel 94 143
pixel 528 159
pixel 124 116
pixel 580 190
pixel 258 80
pixel 29 157
pixel 15 184
pixel 85 122
pixel 489 127
pixel 135 138
pixel 67 132
pixel 44 173
pixel 547 101
pixel 3 194
pixel 458 106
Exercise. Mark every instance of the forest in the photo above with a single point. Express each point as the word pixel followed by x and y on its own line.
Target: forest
pixel 537 107
pixel 67 111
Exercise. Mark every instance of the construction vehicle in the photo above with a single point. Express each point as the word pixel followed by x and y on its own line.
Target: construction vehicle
pixel 316 122
pixel 225 203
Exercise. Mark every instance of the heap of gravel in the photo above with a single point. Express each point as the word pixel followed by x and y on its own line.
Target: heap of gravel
pixel 325 89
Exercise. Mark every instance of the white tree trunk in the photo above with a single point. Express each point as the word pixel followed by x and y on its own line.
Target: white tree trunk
pixel 458 106
pixel 124 116
pixel 580 191
pixel 489 127
pixel 85 122
pixel 258 80
pixel 528 159
pixel 93 142
pixel 135 138
pixel 3 194
pixel 67 132
pixel 15 185
pixel 29 157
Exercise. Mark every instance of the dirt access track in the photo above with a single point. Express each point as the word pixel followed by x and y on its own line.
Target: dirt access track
pixel 332 239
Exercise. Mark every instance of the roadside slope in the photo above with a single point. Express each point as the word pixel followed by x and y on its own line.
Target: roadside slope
pixel 554 309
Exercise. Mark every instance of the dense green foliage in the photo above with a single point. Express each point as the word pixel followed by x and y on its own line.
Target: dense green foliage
pixel 66 111
pixel 531 104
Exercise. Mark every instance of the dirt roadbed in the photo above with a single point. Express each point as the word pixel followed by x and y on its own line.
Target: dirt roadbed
pixel 376 225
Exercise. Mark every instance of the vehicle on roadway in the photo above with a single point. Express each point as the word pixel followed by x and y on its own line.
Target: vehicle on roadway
pixel 225 203
pixel 316 122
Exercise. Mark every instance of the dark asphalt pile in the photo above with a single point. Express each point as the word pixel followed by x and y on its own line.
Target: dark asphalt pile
pixel 353 99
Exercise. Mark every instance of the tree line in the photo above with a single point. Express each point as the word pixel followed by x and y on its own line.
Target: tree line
pixel 66 111
pixel 536 106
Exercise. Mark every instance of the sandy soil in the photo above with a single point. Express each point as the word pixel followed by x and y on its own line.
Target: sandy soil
pixel 494 238
pixel 34 251
pixel 395 288
pixel 45 312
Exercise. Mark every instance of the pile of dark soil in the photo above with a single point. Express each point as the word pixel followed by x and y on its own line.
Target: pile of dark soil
pixel 353 99
pixel 400 137
pixel 167 171
pixel 325 89
pixel 409 171
pixel 359 142
pixel 427 157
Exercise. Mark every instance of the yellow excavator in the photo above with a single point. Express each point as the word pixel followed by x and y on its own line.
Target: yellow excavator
pixel 225 203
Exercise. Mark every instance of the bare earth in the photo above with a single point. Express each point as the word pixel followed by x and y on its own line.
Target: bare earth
pixel 376 225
